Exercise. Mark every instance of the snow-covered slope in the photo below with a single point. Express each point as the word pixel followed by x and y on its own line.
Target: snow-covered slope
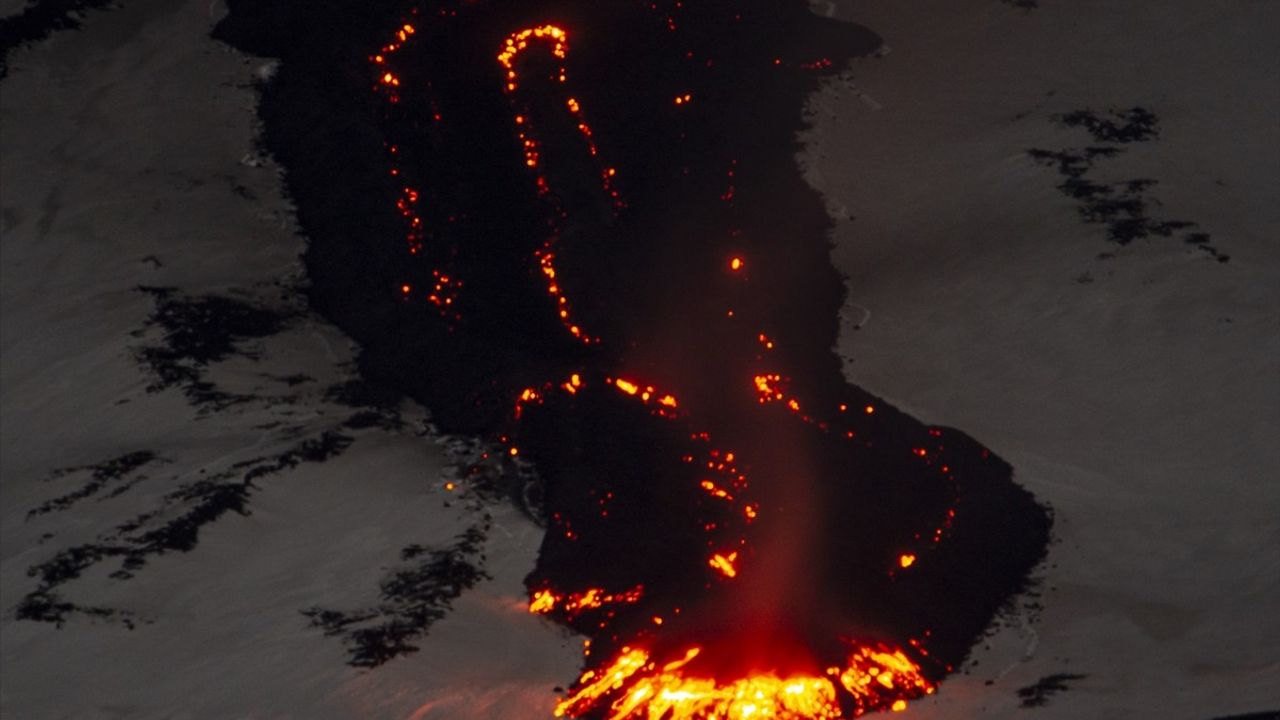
pixel 1139 395
pixel 129 161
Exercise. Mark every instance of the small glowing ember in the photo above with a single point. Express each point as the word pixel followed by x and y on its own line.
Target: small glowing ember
pixel 716 491
pixel 646 393
pixel 725 563
pixel 769 387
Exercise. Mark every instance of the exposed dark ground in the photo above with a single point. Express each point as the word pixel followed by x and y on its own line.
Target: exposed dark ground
pixel 172 526
pixel 1038 694
pixel 1126 207
pixel 652 282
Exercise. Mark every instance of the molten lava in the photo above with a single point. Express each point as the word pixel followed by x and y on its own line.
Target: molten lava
pixel 574 604
pixel 724 563
pixel 634 686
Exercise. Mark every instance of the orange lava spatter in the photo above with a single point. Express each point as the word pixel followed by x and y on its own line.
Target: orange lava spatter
pixel 573 604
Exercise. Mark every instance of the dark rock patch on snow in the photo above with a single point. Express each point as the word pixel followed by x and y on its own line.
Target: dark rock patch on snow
pixel 200 330
pixel 1124 207
pixel 413 596
pixel 108 472
pixel 174 525
pixel 1118 126
pixel 1038 693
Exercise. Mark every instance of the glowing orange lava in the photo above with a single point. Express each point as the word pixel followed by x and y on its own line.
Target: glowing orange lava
pixel 667 403
pixel 557 39
pixel 444 289
pixel 574 604
pixel 725 563
pixel 634 686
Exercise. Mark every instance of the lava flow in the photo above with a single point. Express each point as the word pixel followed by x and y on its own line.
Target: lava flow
pixel 874 678
pixel 739 532
pixel 633 685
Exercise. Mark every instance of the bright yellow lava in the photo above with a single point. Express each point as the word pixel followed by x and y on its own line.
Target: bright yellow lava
pixel 634 688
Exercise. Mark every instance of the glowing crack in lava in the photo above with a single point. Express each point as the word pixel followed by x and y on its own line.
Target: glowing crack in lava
pixel 739 534
pixel 558 41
